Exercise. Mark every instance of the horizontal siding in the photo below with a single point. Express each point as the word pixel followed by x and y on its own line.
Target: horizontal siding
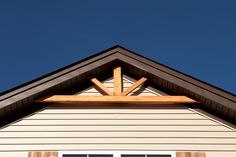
pixel 117 111
pixel 112 121
pixel 120 141
pixel 115 116
pixel 109 146
pixel 157 129
pixel 118 134
pixel 14 154
pixel 116 129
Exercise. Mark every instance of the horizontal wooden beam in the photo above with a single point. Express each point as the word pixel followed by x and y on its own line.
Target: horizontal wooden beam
pixel 117 99
pixel 101 87
pixel 134 86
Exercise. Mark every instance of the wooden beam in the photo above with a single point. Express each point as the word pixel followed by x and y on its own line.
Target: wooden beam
pixel 101 87
pixel 134 86
pixel 117 99
pixel 117 89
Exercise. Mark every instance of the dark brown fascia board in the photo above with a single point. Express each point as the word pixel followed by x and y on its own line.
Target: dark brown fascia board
pixel 57 73
pixel 58 78
pixel 124 55
pixel 191 86
pixel 177 74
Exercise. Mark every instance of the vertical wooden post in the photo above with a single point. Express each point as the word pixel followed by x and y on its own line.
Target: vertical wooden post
pixel 117 81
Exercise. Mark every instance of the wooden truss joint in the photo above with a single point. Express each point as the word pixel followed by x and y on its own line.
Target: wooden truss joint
pixel 117 96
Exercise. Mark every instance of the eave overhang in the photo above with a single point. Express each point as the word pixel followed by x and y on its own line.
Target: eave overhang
pixel 212 99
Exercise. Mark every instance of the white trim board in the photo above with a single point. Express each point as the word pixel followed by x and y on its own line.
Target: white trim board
pixel 119 153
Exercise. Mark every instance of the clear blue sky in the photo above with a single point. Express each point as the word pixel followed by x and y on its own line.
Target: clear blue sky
pixel 197 37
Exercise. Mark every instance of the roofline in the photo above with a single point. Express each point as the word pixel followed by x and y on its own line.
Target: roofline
pixel 131 54
pixel 182 73
pixel 60 69
pixel 27 93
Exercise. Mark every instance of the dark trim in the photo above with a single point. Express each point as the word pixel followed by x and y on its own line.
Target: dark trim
pixel 29 91
pixel 53 81
pixel 158 72
pixel 176 73
pixel 49 76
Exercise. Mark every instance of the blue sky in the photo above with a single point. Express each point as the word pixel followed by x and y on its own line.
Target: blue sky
pixel 194 37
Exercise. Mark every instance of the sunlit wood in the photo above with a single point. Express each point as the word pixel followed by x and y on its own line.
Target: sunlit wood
pixel 101 87
pixel 117 81
pixel 134 86
pixel 190 154
pixel 118 99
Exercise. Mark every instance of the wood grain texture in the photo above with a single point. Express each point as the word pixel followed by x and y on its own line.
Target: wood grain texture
pixel 42 154
pixel 190 154
pixel 200 154
pixel 134 86
pixel 118 99
pixel 100 86
pixel 117 81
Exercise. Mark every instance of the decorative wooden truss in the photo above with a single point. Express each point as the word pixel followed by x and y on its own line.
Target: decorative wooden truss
pixel 117 95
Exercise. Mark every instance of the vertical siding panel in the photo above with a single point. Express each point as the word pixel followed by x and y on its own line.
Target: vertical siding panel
pixel 208 104
pixel 234 116
pixel 180 90
pixel 219 108
pixel 213 107
pixel 174 89
pixel 225 110
pixel 231 114
pixel 169 87
pixel 3 115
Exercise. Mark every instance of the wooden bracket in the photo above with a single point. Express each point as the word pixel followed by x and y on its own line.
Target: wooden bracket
pixel 134 86
pixel 117 81
pixel 99 85
pixel 117 96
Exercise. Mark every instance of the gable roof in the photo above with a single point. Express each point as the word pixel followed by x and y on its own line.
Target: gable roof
pixel 20 101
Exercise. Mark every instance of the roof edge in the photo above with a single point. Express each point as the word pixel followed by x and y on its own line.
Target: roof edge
pixel 130 53
pixel 60 69
pixel 177 71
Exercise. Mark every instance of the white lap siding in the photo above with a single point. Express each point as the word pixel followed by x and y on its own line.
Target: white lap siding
pixel 158 129
pixel 118 129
